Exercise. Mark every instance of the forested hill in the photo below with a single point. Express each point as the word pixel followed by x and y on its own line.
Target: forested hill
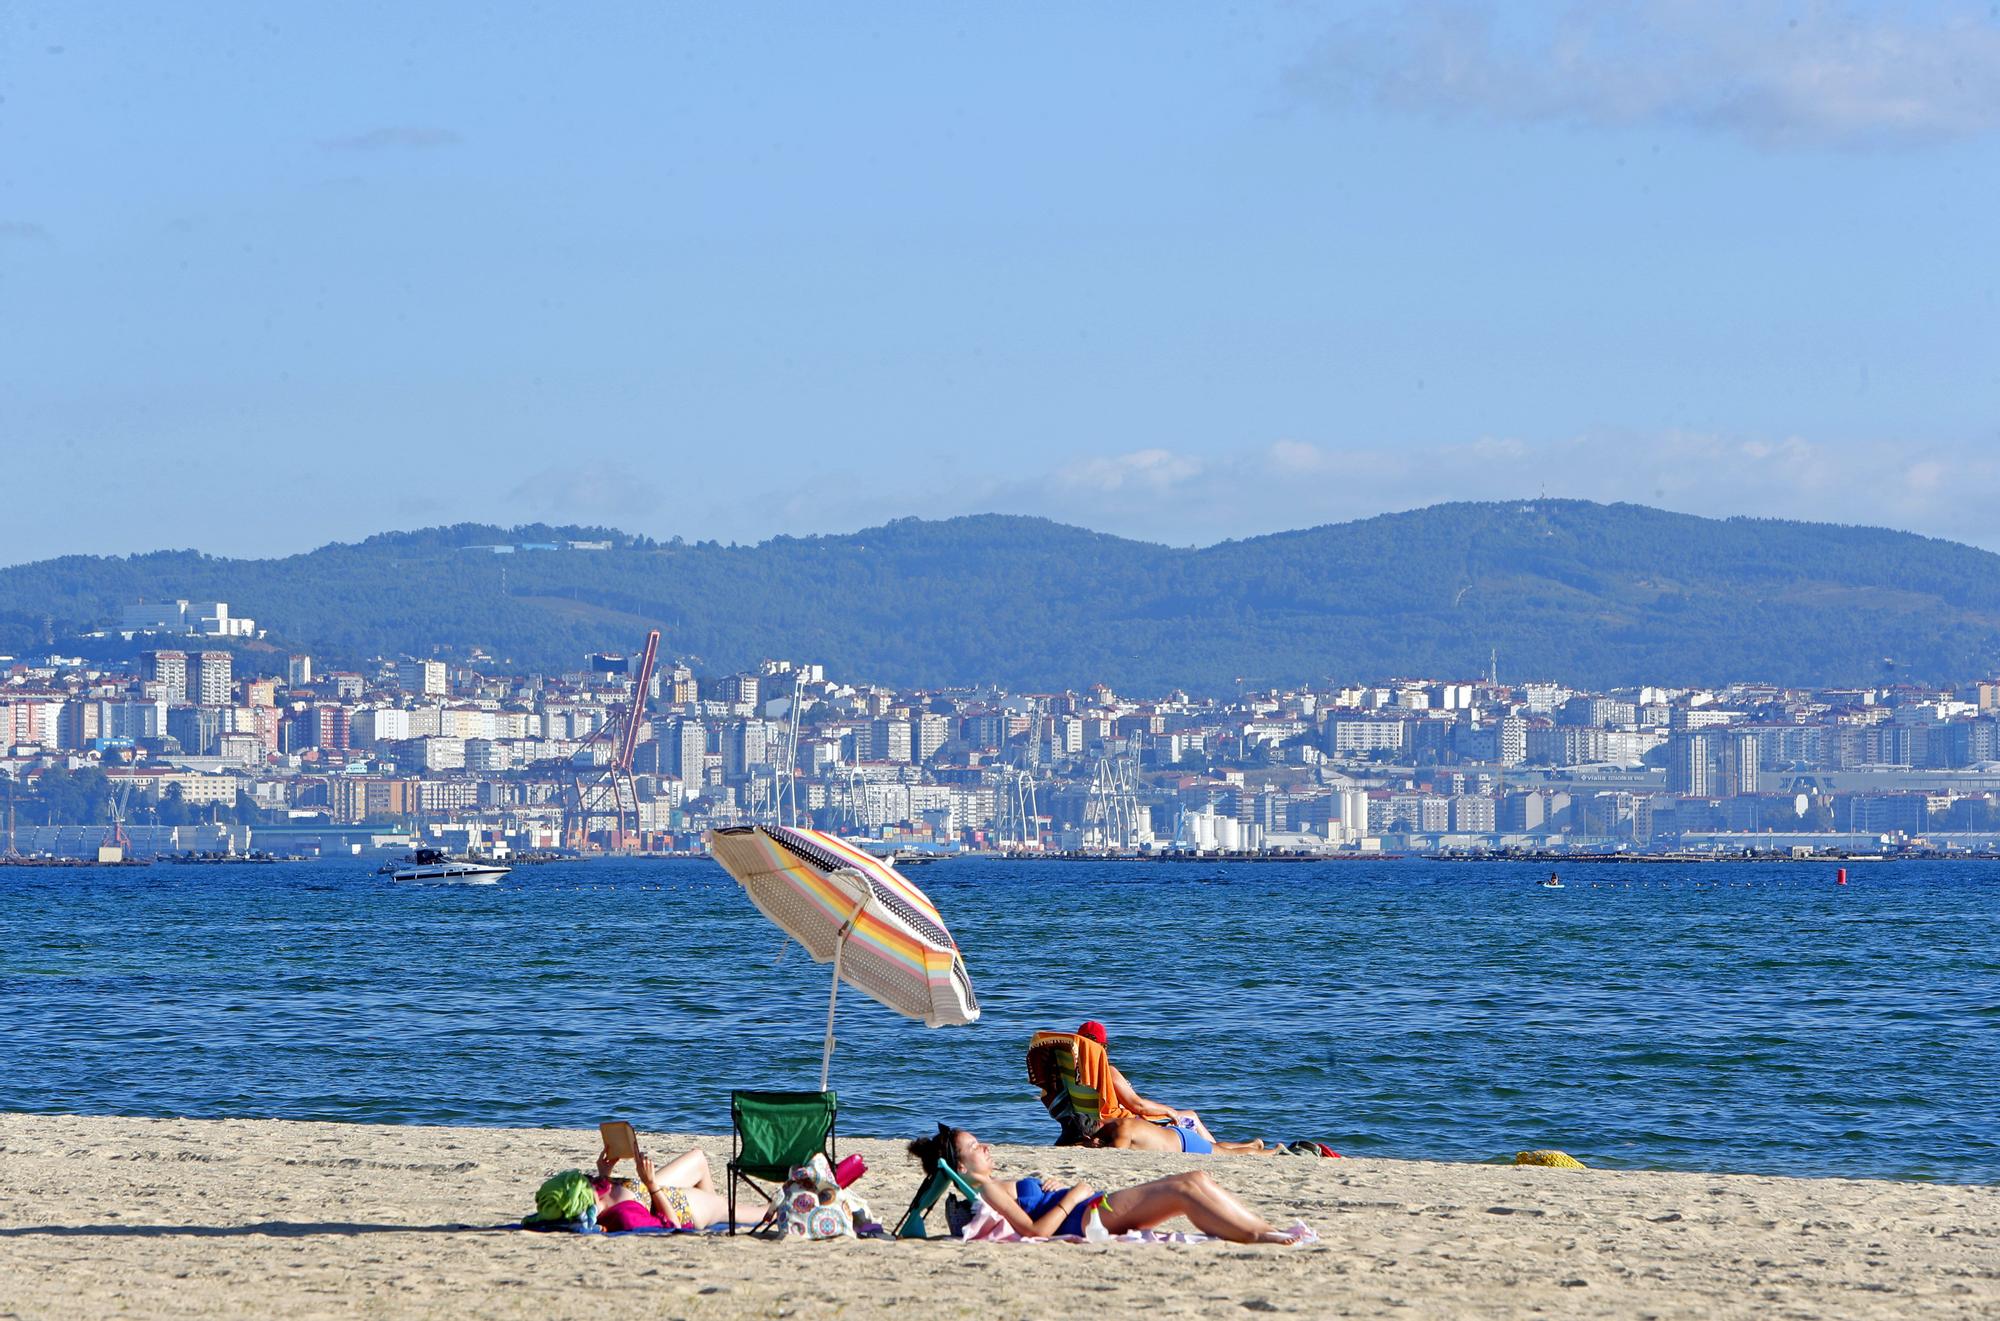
pixel 1585 593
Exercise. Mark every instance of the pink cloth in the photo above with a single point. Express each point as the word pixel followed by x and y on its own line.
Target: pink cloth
pixel 628 1215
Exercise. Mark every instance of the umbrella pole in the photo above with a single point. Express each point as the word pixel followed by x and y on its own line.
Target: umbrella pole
pixel 833 997
pixel 827 1051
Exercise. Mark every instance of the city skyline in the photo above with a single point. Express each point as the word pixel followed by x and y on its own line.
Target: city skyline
pixel 1184 275
pixel 622 754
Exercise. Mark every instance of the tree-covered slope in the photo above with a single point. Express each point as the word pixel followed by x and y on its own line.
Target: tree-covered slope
pixel 1585 593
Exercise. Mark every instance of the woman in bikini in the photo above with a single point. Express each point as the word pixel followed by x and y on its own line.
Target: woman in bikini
pixel 1211 1208
pixel 678 1195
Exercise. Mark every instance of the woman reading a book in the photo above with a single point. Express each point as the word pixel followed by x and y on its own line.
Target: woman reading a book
pixel 678 1195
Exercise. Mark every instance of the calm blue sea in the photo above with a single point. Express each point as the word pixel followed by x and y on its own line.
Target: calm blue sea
pixel 1750 1017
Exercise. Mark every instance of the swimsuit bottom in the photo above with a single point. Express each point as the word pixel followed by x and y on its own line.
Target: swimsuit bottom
pixel 1072 1224
pixel 681 1214
pixel 1192 1141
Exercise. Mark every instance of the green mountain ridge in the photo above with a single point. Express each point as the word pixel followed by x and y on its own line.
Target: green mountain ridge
pixel 1584 593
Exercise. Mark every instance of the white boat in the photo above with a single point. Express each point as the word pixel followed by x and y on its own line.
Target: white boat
pixel 437 866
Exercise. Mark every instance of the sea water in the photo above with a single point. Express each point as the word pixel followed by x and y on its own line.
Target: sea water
pixel 1750 1017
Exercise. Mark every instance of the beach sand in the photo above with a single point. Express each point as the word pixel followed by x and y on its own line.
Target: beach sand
pixel 257 1218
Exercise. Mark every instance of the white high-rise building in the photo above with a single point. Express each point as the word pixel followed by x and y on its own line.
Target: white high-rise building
pixel 934 731
pixel 213 681
pixel 890 740
pixel 689 753
pixel 746 744
pixel 425 678
pixel 169 669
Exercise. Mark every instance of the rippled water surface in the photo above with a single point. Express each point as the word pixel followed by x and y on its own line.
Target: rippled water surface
pixel 1739 1017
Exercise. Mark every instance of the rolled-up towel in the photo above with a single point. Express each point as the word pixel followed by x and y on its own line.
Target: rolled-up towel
pixel 1560 1160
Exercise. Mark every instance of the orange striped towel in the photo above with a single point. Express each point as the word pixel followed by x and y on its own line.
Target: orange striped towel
pixel 1078 1066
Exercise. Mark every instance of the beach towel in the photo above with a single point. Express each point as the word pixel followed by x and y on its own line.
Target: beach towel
pixel 588 1225
pixel 989 1226
pixel 565 1196
pixel 565 1201
pixel 1560 1160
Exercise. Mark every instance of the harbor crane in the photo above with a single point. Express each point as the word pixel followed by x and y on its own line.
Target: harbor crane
pixel 600 793
pixel 116 845
pixel 1018 816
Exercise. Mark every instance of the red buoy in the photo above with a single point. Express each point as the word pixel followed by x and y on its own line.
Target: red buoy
pixel 1840 877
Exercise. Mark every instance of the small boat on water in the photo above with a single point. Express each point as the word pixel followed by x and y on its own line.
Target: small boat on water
pixel 437 866
pixel 1553 883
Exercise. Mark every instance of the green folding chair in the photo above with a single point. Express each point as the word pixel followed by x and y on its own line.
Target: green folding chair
pixel 943 1181
pixel 770 1132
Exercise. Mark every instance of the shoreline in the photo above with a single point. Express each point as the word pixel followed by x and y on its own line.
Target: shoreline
pixel 232 1217
pixel 1596 1163
pixel 1570 859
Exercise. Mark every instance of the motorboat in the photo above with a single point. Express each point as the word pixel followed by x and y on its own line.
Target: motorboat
pixel 436 865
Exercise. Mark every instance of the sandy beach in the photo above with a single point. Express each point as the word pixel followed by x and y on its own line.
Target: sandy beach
pixel 259 1218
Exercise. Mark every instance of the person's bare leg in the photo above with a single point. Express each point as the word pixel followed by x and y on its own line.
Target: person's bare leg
pixel 1254 1147
pixel 712 1208
pixel 688 1170
pixel 1209 1206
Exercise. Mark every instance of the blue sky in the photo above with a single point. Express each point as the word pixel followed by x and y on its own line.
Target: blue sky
pixel 272 276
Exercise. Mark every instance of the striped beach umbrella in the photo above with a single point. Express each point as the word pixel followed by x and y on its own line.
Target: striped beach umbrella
pixel 849 908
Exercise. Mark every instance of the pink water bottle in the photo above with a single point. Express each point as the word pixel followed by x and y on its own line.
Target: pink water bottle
pixel 850 1168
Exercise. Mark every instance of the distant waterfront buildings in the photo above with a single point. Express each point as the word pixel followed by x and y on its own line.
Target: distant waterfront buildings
pixel 1712 762
pixel 1406 764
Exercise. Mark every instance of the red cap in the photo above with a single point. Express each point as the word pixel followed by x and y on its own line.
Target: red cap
pixel 1092 1029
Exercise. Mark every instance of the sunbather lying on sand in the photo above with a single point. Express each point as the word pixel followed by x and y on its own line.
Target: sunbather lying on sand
pixel 1189 1135
pixel 678 1195
pixel 1210 1206
pixel 1155 1125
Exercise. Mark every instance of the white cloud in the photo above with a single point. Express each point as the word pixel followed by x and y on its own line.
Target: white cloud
pixel 1925 477
pixel 1498 449
pixel 1180 498
pixel 1779 74
pixel 1296 456
pixel 1147 471
pixel 1176 498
